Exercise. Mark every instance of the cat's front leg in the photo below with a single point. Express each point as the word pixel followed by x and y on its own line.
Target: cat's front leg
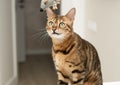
pixel 63 79
pixel 60 82
pixel 78 77
pixel 78 82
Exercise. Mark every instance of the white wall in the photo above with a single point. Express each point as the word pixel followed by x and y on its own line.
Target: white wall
pixel 106 14
pixel 101 26
pixel 80 13
pixel 8 63
pixel 66 6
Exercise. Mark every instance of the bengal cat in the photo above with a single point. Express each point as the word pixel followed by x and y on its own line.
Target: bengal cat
pixel 75 59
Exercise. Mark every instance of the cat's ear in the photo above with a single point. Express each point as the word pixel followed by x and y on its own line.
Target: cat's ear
pixel 49 12
pixel 71 14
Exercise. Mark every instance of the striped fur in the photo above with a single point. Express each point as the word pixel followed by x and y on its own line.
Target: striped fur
pixel 75 59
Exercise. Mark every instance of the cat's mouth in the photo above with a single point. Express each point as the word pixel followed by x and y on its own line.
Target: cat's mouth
pixel 55 33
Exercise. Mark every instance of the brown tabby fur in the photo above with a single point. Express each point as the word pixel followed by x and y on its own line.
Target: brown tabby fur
pixel 75 59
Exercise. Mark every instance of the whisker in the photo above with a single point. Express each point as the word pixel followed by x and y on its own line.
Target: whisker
pixel 39 37
pixel 39 33
pixel 42 36
pixel 48 39
pixel 35 35
pixel 41 30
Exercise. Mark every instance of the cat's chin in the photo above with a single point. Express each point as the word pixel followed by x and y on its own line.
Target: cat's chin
pixel 57 36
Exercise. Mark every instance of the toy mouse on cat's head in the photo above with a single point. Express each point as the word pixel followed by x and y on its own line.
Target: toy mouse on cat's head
pixel 48 3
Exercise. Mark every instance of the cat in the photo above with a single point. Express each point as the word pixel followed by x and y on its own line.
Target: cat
pixel 76 60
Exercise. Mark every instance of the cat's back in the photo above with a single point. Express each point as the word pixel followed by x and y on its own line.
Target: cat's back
pixel 83 44
pixel 87 50
pixel 91 59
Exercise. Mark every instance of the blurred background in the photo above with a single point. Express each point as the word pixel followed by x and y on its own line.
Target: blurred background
pixel 25 57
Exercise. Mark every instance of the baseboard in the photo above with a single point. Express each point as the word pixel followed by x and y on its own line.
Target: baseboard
pixel 33 52
pixel 12 81
pixel 112 83
pixel 36 52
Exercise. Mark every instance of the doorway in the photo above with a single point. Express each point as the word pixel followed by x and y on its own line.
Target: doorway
pixel 35 66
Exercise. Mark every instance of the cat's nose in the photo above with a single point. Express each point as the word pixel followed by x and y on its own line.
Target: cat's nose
pixel 53 30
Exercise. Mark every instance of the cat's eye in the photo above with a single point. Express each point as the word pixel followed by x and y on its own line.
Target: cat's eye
pixel 62 24
pixel 50 23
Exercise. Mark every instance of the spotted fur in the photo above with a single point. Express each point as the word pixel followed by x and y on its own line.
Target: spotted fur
pixel 75 59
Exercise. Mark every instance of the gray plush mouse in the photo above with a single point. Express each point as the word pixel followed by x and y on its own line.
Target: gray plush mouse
pixel 48 3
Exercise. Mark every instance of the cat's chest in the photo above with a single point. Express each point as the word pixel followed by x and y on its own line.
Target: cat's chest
pixel 66 62
pixel 60 60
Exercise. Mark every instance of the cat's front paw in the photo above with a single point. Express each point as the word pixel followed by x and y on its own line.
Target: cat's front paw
pixel 60 82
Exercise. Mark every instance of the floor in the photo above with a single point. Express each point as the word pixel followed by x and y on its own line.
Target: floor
pixel 37 70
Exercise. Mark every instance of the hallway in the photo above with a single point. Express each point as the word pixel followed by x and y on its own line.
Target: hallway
pixel 37 70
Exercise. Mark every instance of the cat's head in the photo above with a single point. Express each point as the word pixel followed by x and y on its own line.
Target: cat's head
pixel 60 27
